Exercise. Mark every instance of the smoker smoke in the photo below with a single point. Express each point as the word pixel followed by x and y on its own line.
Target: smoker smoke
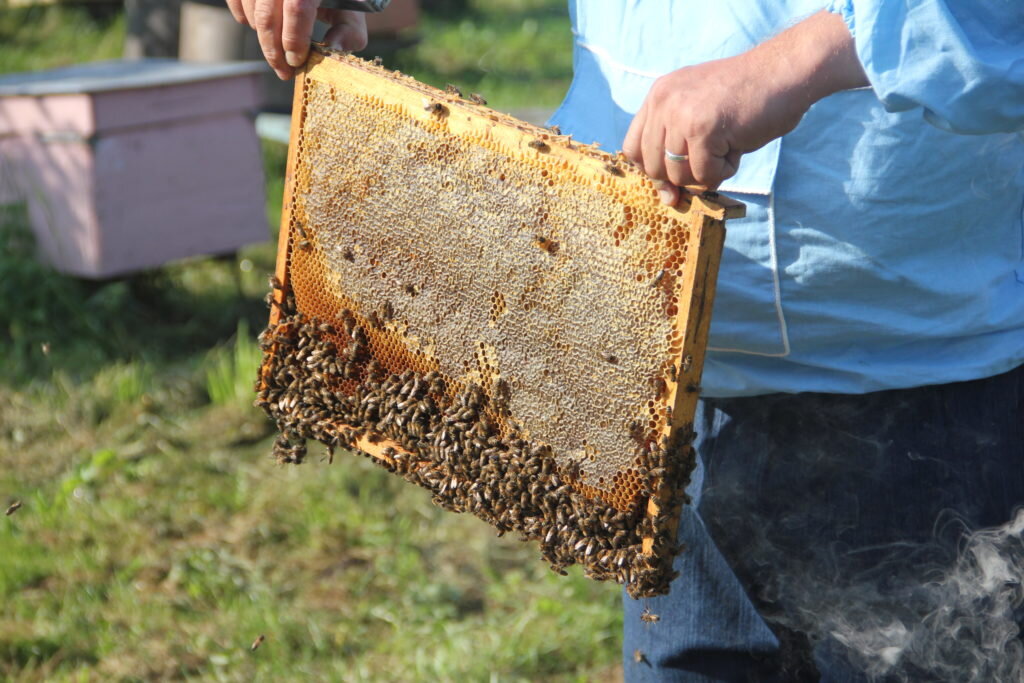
pixel 961 626
pixel 912 595
pixel 955 620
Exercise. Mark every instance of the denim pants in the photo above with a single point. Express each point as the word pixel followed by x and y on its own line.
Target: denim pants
pixel 848 538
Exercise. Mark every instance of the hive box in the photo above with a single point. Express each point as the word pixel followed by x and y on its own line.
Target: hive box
pixel 126 165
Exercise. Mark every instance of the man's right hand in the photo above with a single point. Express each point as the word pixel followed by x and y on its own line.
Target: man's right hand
pixel 284 28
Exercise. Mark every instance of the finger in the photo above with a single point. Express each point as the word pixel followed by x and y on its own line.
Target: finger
pixel 238 11
pixel 678 170
pixel 297 22
pixel 653 149
pixel 348 30
pixel 631 145
pixel 708 162
pixel 667 192
pixel 268 30
pixel 732 164
pixel 249 9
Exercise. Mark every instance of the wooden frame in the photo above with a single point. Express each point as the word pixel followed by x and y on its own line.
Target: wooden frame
pixel 705 214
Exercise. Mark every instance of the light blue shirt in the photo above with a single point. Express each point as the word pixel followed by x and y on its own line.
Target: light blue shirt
pixel 884 243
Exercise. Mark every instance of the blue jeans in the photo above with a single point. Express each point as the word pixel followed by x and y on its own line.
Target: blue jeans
pixel 848 538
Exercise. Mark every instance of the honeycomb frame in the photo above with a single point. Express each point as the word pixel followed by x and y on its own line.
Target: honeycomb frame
pixel 333 361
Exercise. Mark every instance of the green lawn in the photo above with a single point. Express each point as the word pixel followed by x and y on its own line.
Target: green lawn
pixel 157 538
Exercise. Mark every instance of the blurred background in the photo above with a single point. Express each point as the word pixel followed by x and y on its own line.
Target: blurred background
pixel 156 538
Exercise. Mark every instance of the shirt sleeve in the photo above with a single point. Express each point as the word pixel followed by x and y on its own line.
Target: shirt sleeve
pixel 962 61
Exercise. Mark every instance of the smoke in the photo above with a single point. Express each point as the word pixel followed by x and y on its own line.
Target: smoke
pixel 955 620
pixel 962 626
pixel 862 548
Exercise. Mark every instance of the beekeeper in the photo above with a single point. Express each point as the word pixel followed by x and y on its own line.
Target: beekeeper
pixel 863 397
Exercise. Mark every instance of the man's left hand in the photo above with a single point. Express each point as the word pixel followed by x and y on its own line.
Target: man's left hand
pixel 713 113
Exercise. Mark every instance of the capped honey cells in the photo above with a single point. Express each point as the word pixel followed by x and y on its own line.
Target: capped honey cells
pixel 493 312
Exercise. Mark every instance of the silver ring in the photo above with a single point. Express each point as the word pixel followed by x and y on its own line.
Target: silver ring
pixel 676 157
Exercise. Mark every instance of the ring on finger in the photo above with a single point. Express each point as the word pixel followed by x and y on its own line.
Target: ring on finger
pixel 676 157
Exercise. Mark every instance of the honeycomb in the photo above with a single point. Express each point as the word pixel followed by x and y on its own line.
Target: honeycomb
pixel 495 312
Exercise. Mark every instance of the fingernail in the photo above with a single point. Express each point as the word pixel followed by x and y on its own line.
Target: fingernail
pixel 294 59
pixel 667 196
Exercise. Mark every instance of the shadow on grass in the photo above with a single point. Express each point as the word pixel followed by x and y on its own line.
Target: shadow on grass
pixel 22 653
pixel 52 322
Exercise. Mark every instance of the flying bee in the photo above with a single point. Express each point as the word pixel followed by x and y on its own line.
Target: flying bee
pixel 649 617
pixel 658 278
pixel 14 507
pixel 538 145
pixel 453 90
pixel 435 108
pixel 477 98
pixel 256 643
pixel 614 170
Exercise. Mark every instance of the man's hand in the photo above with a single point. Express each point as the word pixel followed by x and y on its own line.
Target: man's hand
pixel 715 112
pixel 284 28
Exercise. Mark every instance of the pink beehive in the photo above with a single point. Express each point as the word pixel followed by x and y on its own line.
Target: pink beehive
pixel 126 165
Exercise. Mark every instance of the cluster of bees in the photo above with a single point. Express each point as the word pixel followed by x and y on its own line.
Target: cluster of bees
pixel 319 381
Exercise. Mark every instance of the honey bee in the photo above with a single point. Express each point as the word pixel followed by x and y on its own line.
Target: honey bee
pixel 538 145
pixel 649 617
pixel 658 278
pixel 14 507
pixel 614 170
pixel 546 243
pixel 256 643
pixel 412 290
pixel 555 129
pixel 639 657
pixel 687 363
pixel 477 98
pixel 348 255
pixel 305 245
pixel 275 283
pixel 435 108
pixel 453 90
pixel 611 358
pixel 573 471
pixel 378 61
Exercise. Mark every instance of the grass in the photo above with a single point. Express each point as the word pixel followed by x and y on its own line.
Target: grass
pixel 157 539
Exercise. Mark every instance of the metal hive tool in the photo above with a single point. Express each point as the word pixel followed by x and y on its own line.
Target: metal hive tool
pixel 493 311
